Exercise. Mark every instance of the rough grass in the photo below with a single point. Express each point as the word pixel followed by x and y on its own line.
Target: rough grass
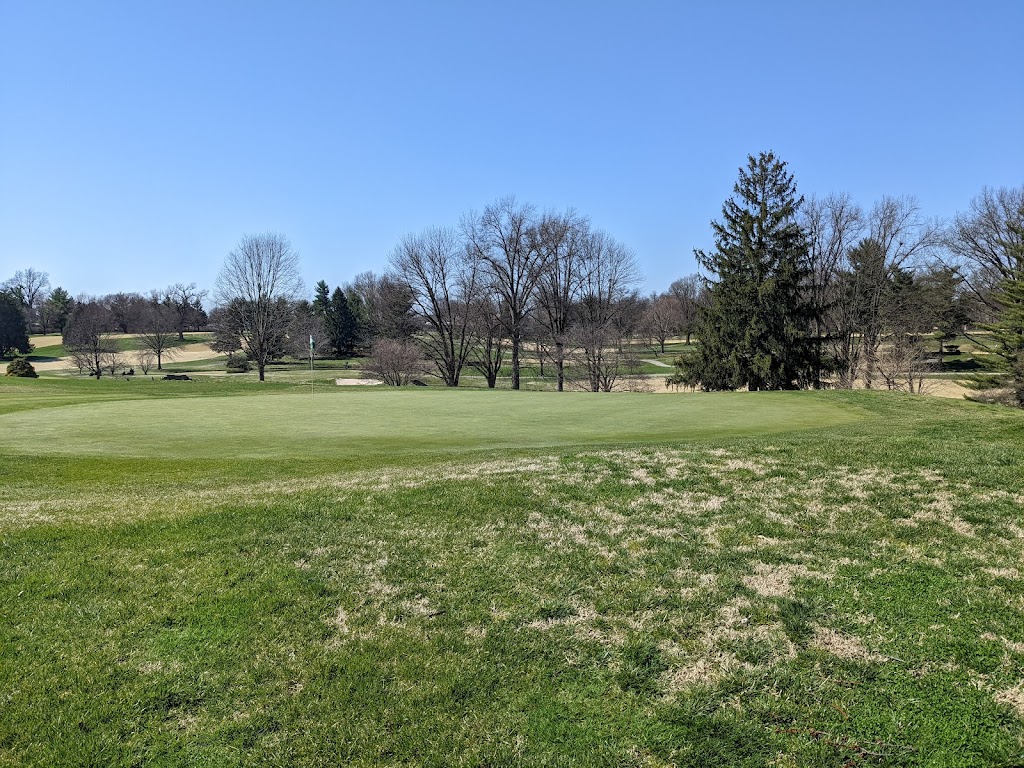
pixel 839 590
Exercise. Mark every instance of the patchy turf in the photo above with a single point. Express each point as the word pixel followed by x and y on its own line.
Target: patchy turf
pixel 844 589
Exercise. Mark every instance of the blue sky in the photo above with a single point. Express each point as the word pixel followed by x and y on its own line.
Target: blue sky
pixel 140 140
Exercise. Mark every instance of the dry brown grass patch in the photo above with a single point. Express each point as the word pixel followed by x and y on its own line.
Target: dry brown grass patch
pixel 776 580
pixel 842 645
pixel 1013 697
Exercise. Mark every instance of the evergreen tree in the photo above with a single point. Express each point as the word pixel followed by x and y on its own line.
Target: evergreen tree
pixel 342 326
pixel 753 329
pixel 321 298
pixel 13 328
pixel 58 308
pixel 360 329
pixel 1005 361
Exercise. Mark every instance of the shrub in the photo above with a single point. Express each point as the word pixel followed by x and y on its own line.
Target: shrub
pixel 394 362
pixel 21 368
pixel 238 364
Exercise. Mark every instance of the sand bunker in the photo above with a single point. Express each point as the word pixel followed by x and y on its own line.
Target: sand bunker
pixel 184 354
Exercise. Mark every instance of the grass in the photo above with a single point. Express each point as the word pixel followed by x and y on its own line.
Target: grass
pixel 246 575
pixel 385 423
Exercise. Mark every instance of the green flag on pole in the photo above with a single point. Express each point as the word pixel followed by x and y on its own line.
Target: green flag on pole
pixel 312 349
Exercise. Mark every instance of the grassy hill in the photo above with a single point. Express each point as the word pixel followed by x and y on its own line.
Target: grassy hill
pixel 214 573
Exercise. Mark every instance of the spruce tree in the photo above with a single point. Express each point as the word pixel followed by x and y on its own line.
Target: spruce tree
pixel 342 324
pixel 753 332
pixel 1004 363
pixel 321 298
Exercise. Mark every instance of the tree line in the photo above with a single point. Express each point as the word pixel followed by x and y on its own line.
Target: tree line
pixel 89 324
pixel 469 296
pixel 805 294
pixel 795 293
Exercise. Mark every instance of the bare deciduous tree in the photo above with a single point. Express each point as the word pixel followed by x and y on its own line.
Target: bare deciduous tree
pixel 986 243
pixel 88 339
pixel 501 238
pixel 904 364
pixel 610 276
pixel 560 239
pixel 901 237
pixel 307 324
pixel 689 294
pixel 145 359
pixel 600 362
pixel 661 320
pixel 850 282
pixel 226 337
pixel 488 353
pixel 832 225
pixel 126 311
pixel 29 287
pixel 158 327
pixel 187 301
pixel 386 306
pixel 443 281
pixel 394 361
pixel 259 280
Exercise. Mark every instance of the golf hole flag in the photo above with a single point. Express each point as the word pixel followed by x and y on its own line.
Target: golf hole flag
pixel 312 344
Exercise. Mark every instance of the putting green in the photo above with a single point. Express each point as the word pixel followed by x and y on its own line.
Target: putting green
pixel 351 424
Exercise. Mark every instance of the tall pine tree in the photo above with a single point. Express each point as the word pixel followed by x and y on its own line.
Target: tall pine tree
pixel 321 298
pixel 753 331
pixel 342 325
pixel 1004 363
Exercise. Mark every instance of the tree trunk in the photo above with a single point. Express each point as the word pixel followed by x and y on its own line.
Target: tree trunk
pixel 560 364
pixel 515 360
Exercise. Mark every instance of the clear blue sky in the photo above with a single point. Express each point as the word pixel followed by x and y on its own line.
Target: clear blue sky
pixel 140 140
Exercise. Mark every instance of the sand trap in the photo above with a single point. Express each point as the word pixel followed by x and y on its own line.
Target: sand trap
pixel 190 353
pixel 185 354
pixel 357 382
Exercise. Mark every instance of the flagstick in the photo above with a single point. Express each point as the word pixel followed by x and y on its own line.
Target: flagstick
pixel 312 348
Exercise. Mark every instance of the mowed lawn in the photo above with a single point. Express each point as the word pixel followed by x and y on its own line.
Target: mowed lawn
pixel 366 427
pixel 218 574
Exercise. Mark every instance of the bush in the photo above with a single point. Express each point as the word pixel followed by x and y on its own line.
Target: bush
pixel 238 365
pixel 394 362
pixel 21 368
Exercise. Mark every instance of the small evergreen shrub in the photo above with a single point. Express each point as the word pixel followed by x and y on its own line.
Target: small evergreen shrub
pixel 21 368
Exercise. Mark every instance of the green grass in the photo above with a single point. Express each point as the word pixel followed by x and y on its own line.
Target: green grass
pixel 224 573
pixel 380 423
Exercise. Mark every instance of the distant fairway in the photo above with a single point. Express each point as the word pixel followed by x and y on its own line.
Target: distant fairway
pixel 376 424
pixel 221 573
